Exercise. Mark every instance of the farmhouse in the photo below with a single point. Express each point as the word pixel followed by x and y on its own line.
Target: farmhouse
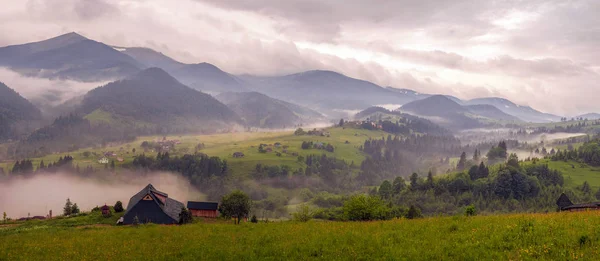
pixel 103 160
pixel 152 206
pixel 203 209
pixel 565 204
pixel 238 155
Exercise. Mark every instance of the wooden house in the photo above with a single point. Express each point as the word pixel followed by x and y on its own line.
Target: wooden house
pixel 565 204
pixel 152 206
pixel 203 209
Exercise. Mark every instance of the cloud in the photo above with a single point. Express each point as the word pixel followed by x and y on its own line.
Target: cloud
pixel 45 92
pixel 547 49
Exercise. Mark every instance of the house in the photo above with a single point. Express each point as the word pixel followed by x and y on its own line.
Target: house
pixel 152 206
pixel 238 155
pixel 203 209
pixel 120 159
pixel 565 204
pixel 103 160
pixel 277 144
pixel 269 150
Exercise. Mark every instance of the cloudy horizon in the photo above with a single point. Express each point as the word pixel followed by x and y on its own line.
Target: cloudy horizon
pixel 539 53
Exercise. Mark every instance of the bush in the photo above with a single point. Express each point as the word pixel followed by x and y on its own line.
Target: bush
pixel 136 221
pixel 413 212
pixel 303 213
pixel 75 209
pixel 365 208
pixel 254 219
pixel 185 216
pixel 119 207
pixel 470 211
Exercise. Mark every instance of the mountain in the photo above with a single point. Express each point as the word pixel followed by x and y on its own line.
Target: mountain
pixel 208 78
pixel 259 110
pixel 17 115
pixel 443 111
pixel 69 56
pixel 326 91
pixel 590 116
pixel 524 113
pixel 150 58
pixel 491 112
pixel 153 98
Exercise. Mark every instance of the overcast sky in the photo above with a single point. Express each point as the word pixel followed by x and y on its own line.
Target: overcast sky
pixel 545 54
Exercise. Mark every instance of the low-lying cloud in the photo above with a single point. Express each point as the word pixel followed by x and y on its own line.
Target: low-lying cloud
pixel 45 92
pixel 44 192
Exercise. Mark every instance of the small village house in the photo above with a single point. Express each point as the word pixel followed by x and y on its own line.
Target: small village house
pixel 152 206
pixel 238 155
pixel 103 160
pixel 203 209
pixel 565 204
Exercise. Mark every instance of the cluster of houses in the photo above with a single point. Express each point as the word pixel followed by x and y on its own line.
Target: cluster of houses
pixel 151 205
pixel 107 157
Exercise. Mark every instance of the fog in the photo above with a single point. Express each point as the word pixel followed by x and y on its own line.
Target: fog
pixel 551 136
pixel 390 107
pixel 45 92
pixel 37 195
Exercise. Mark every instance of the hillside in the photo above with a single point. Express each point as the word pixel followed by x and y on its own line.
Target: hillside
pixel 70 56
pixel 491 112
pixel 208 78
pixel 524 113
pixel 259 110
pixel 17 115
pixel 589 116
pixel 443 111
pixel 326 90
pixel 150 58
pixel 153 96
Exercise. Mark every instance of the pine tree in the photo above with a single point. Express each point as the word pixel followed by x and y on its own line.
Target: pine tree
pixel 67 210
pixel 462 162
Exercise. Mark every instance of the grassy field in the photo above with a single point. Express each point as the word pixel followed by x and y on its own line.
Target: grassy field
pixel 224 145
pixel 576 173
pixel 555 236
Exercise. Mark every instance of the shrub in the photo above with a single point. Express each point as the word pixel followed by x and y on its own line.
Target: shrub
pixel 470 211
pixel 365 208
pixel 119 207
pixel 136 221
pixel 254 219
pixel 413 212
pixel 185 216
pixel 303 213
pixel 75 209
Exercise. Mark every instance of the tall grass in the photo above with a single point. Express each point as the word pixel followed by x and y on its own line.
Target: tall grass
pixel 557 236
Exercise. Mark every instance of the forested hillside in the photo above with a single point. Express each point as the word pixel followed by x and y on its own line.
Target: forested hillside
pixel 17 115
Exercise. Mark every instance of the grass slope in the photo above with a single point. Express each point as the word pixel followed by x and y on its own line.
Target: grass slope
pixel 224 145
pixel 556 236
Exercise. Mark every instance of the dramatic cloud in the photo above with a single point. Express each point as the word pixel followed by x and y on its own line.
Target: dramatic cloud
pixel 542 53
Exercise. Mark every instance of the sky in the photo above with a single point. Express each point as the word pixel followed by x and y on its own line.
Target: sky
pixel 545 54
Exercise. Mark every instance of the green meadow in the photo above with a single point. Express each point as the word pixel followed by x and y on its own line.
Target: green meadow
pixel 554 236
pixel 224 145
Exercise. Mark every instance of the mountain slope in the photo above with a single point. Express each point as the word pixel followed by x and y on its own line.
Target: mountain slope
pixel 259 110
pixel 17 115
pixel 491 112
pixel 70 56
pixel 525 113
pixel 326 90
pixel 590 116
pixel 208 78
pixel 443 111
pixel 153 96
pixel 150 58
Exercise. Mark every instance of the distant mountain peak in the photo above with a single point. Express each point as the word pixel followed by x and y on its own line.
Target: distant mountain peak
pixel 153 73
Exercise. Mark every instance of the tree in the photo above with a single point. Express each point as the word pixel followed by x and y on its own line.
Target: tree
pixel 235 205
pixel 398 185
pixel 67 210
pixel 385 190
pixel 254 219
pixel 119 207
pixel 4 217
pixel 133 150
pixel 86 154
pixel 413 212
pixel 429 182
pixel 585 188
pixel 414 181
pixel 476 155
pixel 303 213
pixel 185 216
pixel 75 209
pixel 299 132
pixel 462 162
pixel 513 161
pixel 341 122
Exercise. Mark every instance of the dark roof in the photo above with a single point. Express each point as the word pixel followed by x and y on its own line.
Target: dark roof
pixel 564 203
pixel 202 205
pixel 171 207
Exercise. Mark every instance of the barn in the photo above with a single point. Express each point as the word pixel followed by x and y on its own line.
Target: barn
pixel 152 206
pixel 565 204
pixel 203 209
